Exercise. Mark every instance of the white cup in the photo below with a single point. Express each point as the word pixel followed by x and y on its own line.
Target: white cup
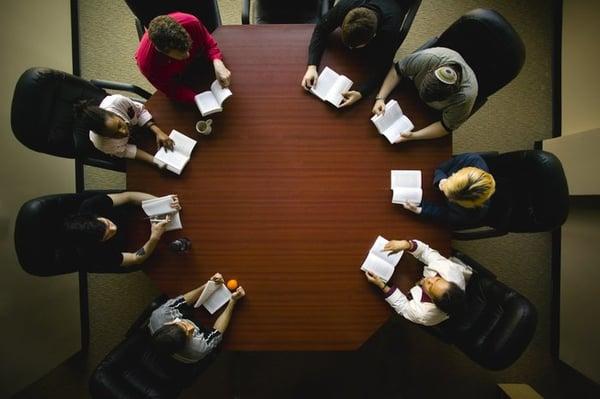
pixel 204 127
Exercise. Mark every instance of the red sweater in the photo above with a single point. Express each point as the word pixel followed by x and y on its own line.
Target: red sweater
pixel 163 72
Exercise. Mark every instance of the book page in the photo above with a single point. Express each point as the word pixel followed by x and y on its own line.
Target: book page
pixel 325 82
pixel 219 297
pixel 400 126
pixel 403 195
pixel 159 208
pixel 207 103
pixel 175 161
pixel 386 256
pixel 221 93
pixel 183 143
pixel 380 268
pixel 405 178
pixel 341 85
pixel 211 287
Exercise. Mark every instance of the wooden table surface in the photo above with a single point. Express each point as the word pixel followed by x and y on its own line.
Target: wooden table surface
pixel 287 196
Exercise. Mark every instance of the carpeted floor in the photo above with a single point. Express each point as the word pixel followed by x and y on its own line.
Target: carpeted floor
pixel 401 360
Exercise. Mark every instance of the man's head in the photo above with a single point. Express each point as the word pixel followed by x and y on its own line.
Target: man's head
pixel 101 121
pixel 359 27
pixel 171 337
pixel 441 82
pixel 469 187
pixel 88 229
pixel 169 37
pixel 447 296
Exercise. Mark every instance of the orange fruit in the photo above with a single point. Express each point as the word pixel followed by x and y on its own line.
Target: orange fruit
pixel 232 284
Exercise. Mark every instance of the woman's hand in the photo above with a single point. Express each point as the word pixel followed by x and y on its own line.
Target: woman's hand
pixel 396 246
pixel 375 280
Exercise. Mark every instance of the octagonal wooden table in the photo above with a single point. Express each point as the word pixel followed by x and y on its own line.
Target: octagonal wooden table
pixel 287 195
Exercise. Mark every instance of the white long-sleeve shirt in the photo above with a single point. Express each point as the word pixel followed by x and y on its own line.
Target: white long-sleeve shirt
pixel 427 313
pixel 133 113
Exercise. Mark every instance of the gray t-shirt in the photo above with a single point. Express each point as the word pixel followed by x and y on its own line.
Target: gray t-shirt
pixel 457 108
pixel 200 344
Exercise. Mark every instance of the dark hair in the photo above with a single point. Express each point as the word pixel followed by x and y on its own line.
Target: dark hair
pixel 167 34
pixel 84 229
pixel 359 26
pixel 433 89
pixel 452 301
pixel 169 339
pixel 91 116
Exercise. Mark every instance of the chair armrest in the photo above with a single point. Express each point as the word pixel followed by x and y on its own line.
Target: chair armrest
pixel 107 84
pixel 478 267
pixel 325 7
pixel 478 234
pixel 142 319
pixel 139 28
pixel 116 164
pixel 245 12
pixel 408 20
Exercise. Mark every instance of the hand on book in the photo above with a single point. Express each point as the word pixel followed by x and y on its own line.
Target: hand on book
pixel 222 74
pixel 350 97
pixel 379 107
pixel 310 77
pixel 175 202
pixel 374 279
pixel 217 278
pixel 158 227
pixel 238 294
pixel 396 246
pixel 413 208
pixel 162 140
pixel 406 136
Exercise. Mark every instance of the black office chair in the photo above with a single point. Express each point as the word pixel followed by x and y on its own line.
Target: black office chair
pixel 145 11
pixel 41 250
pixel 496 325
pixel 489 44
pixel 135 370
pixel 42 115
pixel 531 195
pixel 285 12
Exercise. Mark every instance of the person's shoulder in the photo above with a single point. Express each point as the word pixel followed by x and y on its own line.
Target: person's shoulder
pixel 185 19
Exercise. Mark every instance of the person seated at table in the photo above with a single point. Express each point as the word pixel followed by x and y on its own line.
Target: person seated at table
pixel 97 232
pixel 373 26
pixel 175 335
pixel 467 185
pixel 444 81
pixel 437 296
pixel 176 47
pixel 111 124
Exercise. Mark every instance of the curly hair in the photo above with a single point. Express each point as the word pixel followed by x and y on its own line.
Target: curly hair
pixel 167 34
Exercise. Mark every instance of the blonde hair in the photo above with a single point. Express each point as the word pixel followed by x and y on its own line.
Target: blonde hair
pixel 470 187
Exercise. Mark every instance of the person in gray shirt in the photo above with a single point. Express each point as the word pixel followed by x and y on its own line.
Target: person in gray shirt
pixel 181 338
pixel 444 81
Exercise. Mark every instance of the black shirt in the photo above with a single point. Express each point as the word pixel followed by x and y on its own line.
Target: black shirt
pixel 105 256
pixel 381 49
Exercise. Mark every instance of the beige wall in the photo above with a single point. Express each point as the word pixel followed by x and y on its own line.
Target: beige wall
pixel 39 316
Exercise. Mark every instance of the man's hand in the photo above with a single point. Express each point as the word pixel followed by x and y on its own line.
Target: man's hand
pixel 162 140
pixel 157 228
pixel 379 107
pixel 175 202
pixel 217 278
pixel 412 207
pixel 310 77
pixel 222 73
pixel 375 280
pixel 396 246
pixel 350 97
pixel 406 136
pixel 238 294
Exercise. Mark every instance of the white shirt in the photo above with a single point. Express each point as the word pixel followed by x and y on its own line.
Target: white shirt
pixel 427 313
pixel 133 113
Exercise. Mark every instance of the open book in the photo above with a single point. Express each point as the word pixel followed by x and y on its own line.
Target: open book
pixel 379 262
pixel 406 186
pixel 330 86
pixel 159 208
pixel 210 102
pixel 213 297
pixel 180 156
pixel 392 122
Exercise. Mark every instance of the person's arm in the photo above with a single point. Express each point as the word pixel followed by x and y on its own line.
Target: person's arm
pixel 129 197
pixel 391 80
pixel 434 212
pixel 223 320
pixel 382 56
pixel 330 22
pixel 433 131
pixel 137 258
pixel 192 296
pixel 424 253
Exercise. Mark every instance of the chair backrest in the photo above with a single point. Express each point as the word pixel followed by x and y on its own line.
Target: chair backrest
pixel 287 12
pixel 206 11
pixel 496 326
pixel 489 44
pixel 42 109
pixel 41 251
pixel 537 186
pixel 413 7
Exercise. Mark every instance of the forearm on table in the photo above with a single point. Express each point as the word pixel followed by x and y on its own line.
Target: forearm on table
pixel 433 131
pixel 193 295
pixel 140 256
pixel 223 320
pixel 142 155
pixel 391 80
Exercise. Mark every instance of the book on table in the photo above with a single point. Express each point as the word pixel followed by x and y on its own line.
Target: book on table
pixel 177 158
pixel 211 101
pixel 330 86
pixel 392 122
pixel 379 262
pixel 213 297
pixel 406 186
pixel 160 208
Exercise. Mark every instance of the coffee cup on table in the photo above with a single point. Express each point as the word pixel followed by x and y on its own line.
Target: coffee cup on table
pixel 204 127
